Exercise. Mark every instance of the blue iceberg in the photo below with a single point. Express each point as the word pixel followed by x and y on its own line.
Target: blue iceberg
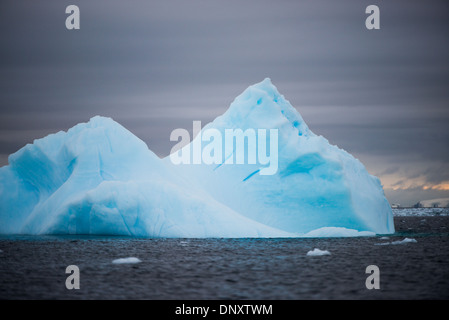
pixel 100 179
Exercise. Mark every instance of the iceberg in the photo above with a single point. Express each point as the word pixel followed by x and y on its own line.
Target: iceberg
pixel 100 179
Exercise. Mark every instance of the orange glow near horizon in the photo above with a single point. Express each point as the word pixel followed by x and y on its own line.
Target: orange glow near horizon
pixel 411 184
pixel 441 186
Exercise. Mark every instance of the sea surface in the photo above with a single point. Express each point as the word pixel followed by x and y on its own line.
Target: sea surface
pixel 34 267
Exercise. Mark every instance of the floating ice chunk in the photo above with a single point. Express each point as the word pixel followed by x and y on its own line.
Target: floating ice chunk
pixel 406 240
pixel 382 244
pixel 126 260
pixel 318 252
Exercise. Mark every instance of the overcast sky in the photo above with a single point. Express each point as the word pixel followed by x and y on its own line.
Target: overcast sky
pixel 153 66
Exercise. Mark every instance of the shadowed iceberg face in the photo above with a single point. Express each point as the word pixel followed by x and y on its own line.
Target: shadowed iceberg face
pixel 98 178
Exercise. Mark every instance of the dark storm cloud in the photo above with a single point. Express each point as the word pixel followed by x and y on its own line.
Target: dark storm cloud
pixel 157 65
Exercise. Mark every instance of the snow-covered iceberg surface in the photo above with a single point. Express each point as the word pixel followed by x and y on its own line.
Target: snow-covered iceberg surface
pixel 98 178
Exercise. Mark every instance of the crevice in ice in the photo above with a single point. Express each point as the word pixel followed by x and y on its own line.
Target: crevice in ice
pixel 251 174
pixel 230 155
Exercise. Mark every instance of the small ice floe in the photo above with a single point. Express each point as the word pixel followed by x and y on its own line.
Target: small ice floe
pixel 384 238
pixel 183 243
pixel 318 252
pixel 382 244
pixel 126 260
pixel 406 240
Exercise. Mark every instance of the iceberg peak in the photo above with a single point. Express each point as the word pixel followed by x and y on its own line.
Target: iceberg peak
pixel 264 89
pixel 98 120
pixel 262 106
pixel 267 86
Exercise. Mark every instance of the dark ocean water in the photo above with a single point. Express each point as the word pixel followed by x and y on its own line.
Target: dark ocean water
pixel 34 267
